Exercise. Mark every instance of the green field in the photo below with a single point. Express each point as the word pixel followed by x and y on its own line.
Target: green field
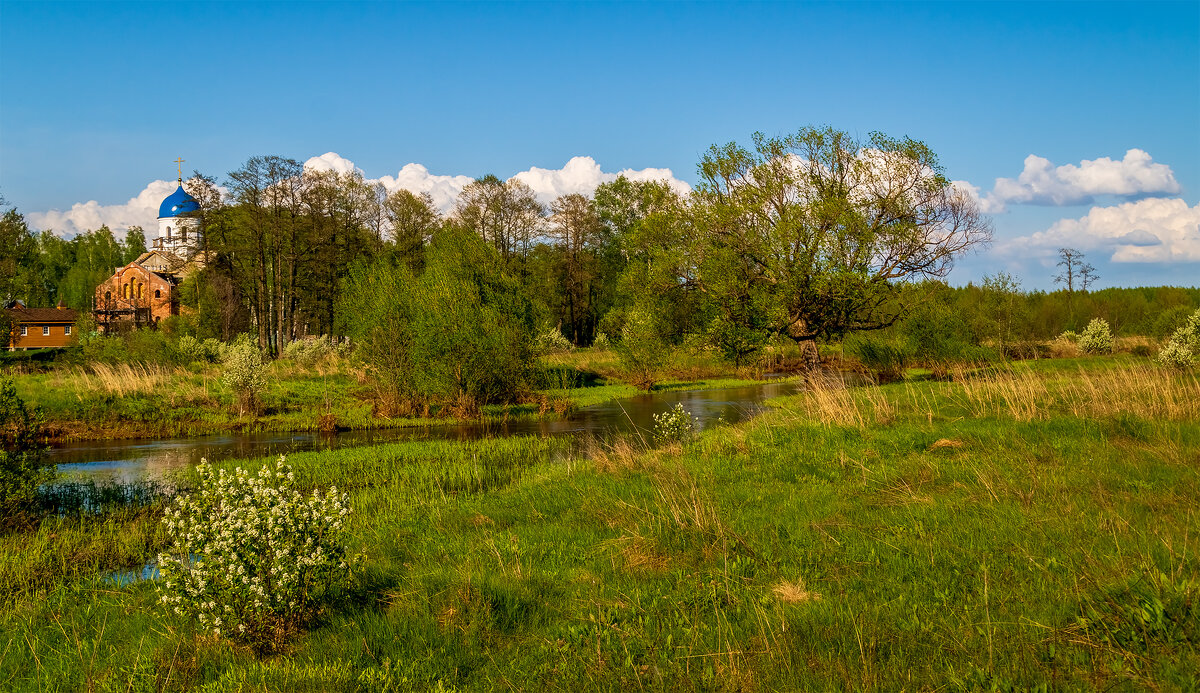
pixel 1024 528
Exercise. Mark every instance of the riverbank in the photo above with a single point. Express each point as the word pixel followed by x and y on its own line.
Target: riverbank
pixel 135 402
pixel 1027 527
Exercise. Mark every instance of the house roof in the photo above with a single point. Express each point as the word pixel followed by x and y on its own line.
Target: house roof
pixel 21 315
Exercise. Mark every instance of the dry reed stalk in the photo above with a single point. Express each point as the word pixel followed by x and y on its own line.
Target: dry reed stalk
pixel 688 507
pixel 122 380
pixel 1140 389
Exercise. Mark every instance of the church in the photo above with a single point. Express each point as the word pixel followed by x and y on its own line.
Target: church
pixel 143 292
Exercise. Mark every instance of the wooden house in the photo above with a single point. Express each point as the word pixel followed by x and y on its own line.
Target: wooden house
pixel 40 328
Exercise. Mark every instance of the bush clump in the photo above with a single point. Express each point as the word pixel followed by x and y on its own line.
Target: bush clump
pixel 1183 348
pixel 22 466
pixel 308 352
pixel 1096 338
pixel 252 559
pixel 642 349
pixel 552 341
pixel 245 373
pixel 192 350
pixel 674 426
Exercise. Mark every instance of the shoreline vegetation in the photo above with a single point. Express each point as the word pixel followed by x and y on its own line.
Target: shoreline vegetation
pixel 1028 525
pixel 130 401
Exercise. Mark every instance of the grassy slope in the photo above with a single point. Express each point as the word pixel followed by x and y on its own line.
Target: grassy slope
pixel 1004 533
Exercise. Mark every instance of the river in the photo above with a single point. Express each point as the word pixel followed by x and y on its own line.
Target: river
pixel 124 461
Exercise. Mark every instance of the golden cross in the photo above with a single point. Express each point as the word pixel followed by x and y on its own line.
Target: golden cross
pixel 179 165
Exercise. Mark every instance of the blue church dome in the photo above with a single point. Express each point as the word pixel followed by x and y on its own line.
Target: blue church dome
pixel 177 203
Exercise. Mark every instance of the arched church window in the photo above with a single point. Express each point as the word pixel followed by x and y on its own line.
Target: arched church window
pixel 168 232
pixel 141 287
pixel 157 293
pixel 183 234
pixel 107 295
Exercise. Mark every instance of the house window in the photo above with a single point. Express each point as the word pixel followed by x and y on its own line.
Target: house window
pixel 45 330
pixel 24 330
pixel 67 330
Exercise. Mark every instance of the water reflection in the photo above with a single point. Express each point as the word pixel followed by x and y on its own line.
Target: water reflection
pixel 125 461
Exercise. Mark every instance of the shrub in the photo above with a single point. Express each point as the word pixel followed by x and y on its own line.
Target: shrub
pixel 642 349
pixel 884 359
pixel 191 349
pixel 307 352
pixel 462 330
pixel 1096 338
pixel 674 426
pixel 552 341
pixel 252 559
pixel 1184 346
pixel 602 342
pixel 245 373
pixel 22 466
pixel 1068 336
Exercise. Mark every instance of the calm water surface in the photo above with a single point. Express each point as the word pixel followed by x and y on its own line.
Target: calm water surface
pixel 132 460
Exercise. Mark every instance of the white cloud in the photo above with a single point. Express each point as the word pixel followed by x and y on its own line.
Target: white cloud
pixel 84 216
pixel 1043 183
pixel 579 175
pixel 1150 230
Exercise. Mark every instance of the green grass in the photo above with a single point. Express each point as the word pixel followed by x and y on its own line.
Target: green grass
pixel 942 536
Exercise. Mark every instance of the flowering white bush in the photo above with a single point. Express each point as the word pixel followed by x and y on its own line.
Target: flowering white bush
pixel 1183 348
pixel 552 341
pixel 245 372
pixel 1096 338
pixel 251 557
pixel 674 425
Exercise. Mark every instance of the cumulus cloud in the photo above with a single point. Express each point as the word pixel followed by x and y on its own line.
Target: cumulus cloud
pixel 1043 183
pixel 579 175
pixel 1150 230
pixel 141 210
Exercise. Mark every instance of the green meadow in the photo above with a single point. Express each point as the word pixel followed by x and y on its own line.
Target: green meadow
pixel 1022 528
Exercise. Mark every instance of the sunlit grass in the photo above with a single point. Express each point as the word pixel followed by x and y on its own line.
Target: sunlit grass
pixel 1008 530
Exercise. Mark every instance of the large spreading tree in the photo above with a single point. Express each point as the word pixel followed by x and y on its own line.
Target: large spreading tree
pixel 811 235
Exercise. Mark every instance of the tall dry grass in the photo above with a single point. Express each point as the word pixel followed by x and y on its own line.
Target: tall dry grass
pixel 1017 391
pixel 123 379
pixel 831 402
pixel 1138 389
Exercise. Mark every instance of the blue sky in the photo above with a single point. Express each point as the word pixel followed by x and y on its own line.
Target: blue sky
pixel 97 99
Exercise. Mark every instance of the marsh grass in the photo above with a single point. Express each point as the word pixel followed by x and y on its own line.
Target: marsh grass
pixel 1007 530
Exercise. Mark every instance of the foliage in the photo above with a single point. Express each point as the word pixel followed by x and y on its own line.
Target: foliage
pixel 885 358
pixel 1183 349
pixel 642 350
pixel 937 337
pixel 22 466
pixel 674 426
pixel 244 373
pixel 551 340
pixel 307 352
pixel 192 350
pixel 460 333
pixel 251 558
pixel 602 341
pixel 810 235
pixel 1096 338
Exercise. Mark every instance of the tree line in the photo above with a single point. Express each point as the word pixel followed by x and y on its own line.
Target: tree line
pixel 787 241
